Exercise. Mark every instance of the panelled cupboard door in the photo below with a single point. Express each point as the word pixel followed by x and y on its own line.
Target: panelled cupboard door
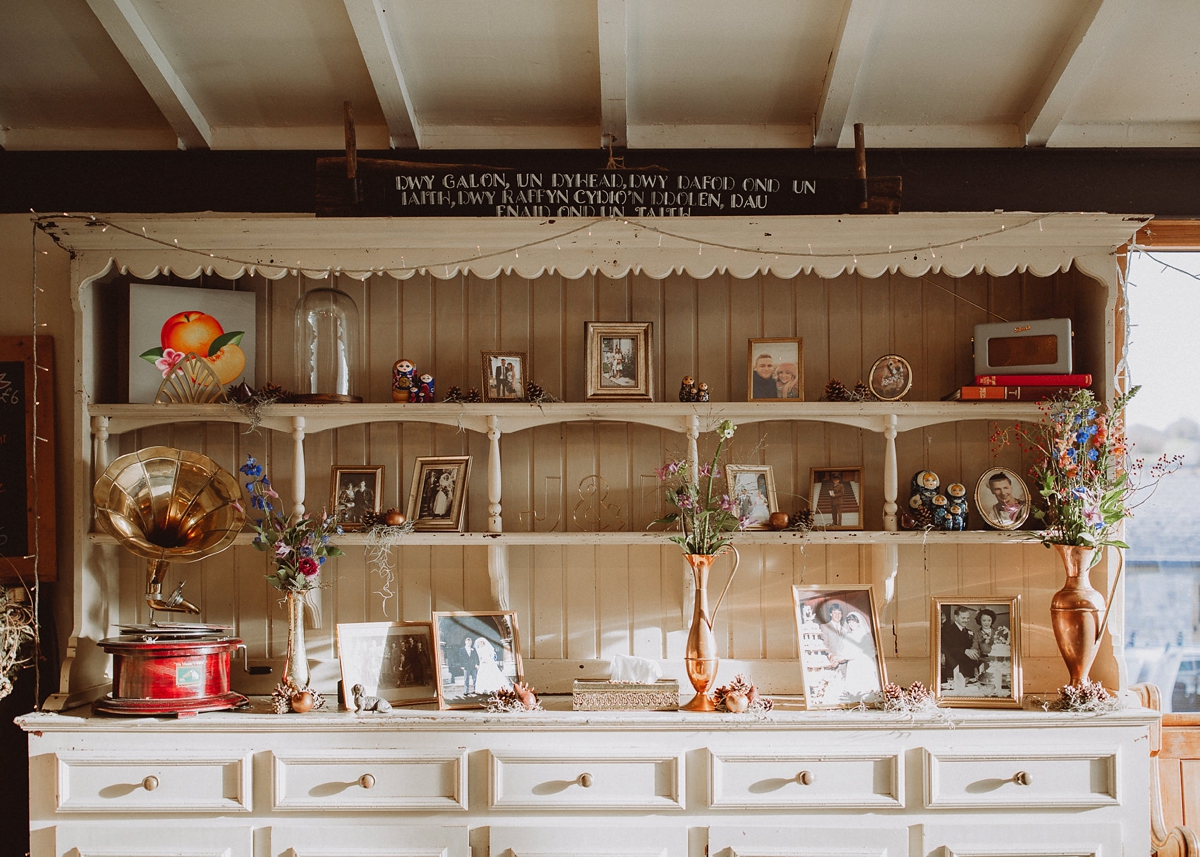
pixel 154 839
pixel 348 839
pixel 750 840
pixel 1001 839
pixel 566 837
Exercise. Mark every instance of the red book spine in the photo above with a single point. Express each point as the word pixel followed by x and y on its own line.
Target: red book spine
pixel 1035 393
pixel 1033 380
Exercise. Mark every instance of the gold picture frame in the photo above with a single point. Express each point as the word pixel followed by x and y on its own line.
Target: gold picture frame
pixel 496 648
pixel 752 489
pixel 354 492
pixel 891 378
pixel 1002 499
pixel 775 370
pixel 841 658
pixel 437 498
pixel 834 507
pixel 620 361
pixel 504 376
pixel 395 661
pixel 976 660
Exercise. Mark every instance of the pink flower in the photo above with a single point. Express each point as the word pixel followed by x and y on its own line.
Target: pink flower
pixel 308 567
pixel 282 550
pixel 169 361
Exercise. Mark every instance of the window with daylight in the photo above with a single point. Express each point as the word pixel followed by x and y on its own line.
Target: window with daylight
pixel 1162 577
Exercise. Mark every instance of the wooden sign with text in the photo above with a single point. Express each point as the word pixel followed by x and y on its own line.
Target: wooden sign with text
pixel 385 188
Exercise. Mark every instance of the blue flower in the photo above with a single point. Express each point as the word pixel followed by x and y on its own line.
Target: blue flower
pixel 1093 454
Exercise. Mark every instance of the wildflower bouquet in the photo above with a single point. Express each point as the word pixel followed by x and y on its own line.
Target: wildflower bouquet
pixel 1085 474
pixel 707 524
pixel 300 546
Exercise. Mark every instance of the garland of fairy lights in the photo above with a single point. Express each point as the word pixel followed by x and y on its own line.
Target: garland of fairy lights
pixel 45 222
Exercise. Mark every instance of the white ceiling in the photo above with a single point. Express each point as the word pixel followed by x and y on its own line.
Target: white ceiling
pixel 563 74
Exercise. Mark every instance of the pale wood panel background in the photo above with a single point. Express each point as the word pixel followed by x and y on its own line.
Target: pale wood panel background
pixel 580 602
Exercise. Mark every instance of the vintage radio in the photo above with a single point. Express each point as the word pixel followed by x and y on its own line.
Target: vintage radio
pixel 1041 346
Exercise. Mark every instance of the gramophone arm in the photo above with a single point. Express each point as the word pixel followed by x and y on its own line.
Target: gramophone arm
pixel 175 603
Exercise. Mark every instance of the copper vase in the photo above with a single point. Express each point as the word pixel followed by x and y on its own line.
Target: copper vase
pixel 1076 613
pixel 700 659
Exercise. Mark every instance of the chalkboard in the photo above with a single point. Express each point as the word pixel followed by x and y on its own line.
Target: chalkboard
pixel 26 493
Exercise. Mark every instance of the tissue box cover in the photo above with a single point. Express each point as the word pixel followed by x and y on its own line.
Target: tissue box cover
pixel 598 695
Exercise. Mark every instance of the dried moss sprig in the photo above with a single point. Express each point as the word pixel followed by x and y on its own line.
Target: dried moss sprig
pixel 18 629
pixel 514 700
pixel 1087 698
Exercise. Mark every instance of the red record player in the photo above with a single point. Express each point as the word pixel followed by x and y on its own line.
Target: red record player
pixel 173 668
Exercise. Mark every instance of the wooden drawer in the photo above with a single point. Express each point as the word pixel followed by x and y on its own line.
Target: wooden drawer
pixel 624 838
pixel 616 780
pixel 842 780
pixel 1026 780
pixel 139 838
pixel 130 782
pixel 386 780
pixel 330 836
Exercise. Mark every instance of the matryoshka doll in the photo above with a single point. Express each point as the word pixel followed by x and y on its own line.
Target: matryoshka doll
pixel 940 511
pixel 958 508
pixel 425 389
pixel 403 386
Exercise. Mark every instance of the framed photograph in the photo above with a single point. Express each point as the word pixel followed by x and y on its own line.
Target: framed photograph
pixel 1002 499
pixel 392 660
pixel 976 651
pixel 890 378
pixel 477 655
pixel 836 498
pixel 437 499
pixel 503 376
pixel 752 489
pixel 619 361
pixel 776 370
pixel 840 656
pixel 355 491
pixel 166 323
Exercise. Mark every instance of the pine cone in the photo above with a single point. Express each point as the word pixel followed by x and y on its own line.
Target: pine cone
pixel 454 394
pixel 922 517
pixel 371 520
pixel 862 393
pixel 802 520
pixel 472 396
pixel 835 391
pixel 533 392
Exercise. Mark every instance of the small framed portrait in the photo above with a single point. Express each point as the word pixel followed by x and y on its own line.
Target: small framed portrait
pixel 620 363
pixel 890 378
pixel 354 492
pixel 1002 499
pixel 840 656
pixel 752 489
pixel 776 370
pixel 976 651
pixel 391 660
pixel 836 498
pixel 477 655
pixel 437 500
pixel 503 376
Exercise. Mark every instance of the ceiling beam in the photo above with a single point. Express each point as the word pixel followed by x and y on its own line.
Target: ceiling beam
pixel 383 64
pixel 1087 43
pixel 845 61
pixel 147 60
pixel 614 72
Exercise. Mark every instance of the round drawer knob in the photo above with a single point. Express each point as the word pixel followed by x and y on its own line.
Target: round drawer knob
pixel 585 780
pixel 366 781
pixel 1021 778
pixel 804 778
pixel 150 783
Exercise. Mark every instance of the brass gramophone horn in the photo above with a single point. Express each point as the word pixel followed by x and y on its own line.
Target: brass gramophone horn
pixel 168 505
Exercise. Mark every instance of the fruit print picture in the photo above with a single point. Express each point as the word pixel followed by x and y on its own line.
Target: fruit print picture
pixel 168 323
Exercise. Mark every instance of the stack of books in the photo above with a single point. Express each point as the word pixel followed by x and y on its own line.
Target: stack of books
pixel 1020 388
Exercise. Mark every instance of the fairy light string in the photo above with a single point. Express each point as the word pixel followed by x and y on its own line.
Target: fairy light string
pixel 47 222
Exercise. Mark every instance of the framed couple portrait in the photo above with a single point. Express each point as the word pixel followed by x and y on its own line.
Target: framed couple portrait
pixel 976 651
pixel 478 653
pixel 391 660
pixel 776 370
pixel 619 361
pixel 841 659
pixel 437 499
pixel 354 492
pixel 504 376
pixel 752 489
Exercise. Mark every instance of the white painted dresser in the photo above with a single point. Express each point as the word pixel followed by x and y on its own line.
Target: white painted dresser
pixel 568 783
